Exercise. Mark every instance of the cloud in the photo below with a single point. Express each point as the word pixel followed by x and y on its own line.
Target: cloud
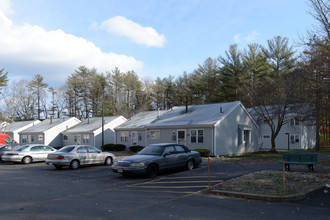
pixel 237 38
pixel 28 49
pixel 252 36
pixel 122 26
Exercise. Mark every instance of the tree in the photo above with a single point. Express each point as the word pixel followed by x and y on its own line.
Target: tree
pixel 3 78
pixel 316 62
pixel 231 73
pixel 272 97
pixel 37 85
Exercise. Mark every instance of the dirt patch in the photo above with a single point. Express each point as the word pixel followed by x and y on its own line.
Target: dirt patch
pixel 270 182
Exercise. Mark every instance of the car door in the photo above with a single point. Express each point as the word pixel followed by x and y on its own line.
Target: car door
pixel 35 153
pixel 82 155
pixel 170 158
pixel 182 156
pixel 93 155
pixel 45 150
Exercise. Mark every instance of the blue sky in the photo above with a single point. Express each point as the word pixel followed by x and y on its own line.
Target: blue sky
pixel 155 38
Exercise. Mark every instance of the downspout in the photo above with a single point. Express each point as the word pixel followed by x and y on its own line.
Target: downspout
pixel 214 141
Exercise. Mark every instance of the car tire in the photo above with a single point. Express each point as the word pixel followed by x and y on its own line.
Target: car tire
pixel 74 164
pixel 27 160
pixel 108 161
pixel 58 167
pixel 152 170
pixel 190 164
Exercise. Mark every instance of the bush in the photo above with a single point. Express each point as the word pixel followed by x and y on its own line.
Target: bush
pixel 135 148
pixel 203 152
pixel 114 147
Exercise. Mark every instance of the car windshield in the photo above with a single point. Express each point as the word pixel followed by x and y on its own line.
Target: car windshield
pixel 152 150
pixel 22 148
pixel 66 149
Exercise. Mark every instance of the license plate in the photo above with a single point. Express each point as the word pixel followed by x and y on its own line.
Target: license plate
pixel 120 170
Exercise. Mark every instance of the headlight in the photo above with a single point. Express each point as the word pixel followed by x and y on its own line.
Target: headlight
pixel 137 164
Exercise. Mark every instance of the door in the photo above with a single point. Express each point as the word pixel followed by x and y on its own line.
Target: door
pixel 170 158
pixel 93 155
pixel 181 137
pixel 82 155
pixel 134 138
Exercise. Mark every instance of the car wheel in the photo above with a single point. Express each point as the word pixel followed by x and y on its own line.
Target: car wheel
pixel 190 164
pixel 74 164
pixel 152 170
pixel 108 161
pixel 27 159
pixel 58 167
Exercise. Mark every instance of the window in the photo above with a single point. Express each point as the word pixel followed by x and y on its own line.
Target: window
pixel 92 150
pixel 246 137
pixel 169 150
pixel 294 122
pixel 197 136
pixel 31 138
pixel 40 137
pixel 65 137
pixel 297 138
pixel 124 136
pixel 266 136
pixel 82 150
pixel 155 134
pixel 45 148
pixel 85 139
pixel 75 139
pixel 37 148
pixel 9 140
pixel 294 138
pixel 24 138
pixel 180 149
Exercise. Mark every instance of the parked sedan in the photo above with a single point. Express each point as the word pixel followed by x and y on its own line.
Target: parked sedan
pixel 158 157
pixel 8 147
pixel 28 153
pixel 76 155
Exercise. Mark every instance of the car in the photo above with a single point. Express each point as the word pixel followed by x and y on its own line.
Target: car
pixel 8 147
pixel 158 157
pixel 6 139
pixel 28 153
pixel 77 155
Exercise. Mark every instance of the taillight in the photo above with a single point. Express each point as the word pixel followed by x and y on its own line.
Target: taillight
pixel 60 157
pixel 12 154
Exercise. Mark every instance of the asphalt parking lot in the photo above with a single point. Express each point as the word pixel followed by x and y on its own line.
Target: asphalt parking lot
pixel 38 191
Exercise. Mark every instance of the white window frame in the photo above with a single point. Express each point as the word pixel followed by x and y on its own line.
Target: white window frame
pixel 197 133
pixel 40 137
pixel 85 138
pixel 124 136
pixel 155 134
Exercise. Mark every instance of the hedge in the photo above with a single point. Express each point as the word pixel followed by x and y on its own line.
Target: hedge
pixel 114 147
pixel 135 148
pixel 203 152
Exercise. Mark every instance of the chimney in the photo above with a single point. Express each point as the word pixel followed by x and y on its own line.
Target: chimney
pixel 221 110
pixel 186 106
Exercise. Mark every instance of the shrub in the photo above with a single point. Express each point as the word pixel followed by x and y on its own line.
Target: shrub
pixel 135 148
pixel 203 152
pixel 114 147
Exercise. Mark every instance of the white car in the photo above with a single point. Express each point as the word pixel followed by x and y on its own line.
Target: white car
pixel 28 153
pixel 77 155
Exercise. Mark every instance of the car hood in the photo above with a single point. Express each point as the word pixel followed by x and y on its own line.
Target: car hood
pixel 139 158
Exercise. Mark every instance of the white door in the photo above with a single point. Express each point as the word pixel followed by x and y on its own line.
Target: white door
pixel 181 137
pixel 134 138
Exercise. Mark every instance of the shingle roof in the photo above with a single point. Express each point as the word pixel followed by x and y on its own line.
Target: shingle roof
pixel 45 125
pixel 11 127
pixel 197 115
pixel 90 125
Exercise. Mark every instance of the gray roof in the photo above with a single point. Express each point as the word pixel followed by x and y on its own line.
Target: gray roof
pixel 45 125
pixel 90 125
pixel 197 115
pixel 140 120
pixel 11 127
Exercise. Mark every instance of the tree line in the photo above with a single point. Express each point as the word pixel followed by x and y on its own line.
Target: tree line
pixel 259 76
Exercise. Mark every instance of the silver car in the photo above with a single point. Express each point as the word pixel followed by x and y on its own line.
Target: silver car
pixel 76 155
pixel 158 157
pixel 8 147
pixel 28 153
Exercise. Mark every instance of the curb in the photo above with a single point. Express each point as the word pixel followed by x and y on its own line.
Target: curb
pixel 272 198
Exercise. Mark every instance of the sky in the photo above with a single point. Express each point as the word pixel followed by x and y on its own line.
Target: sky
pixel 155 38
